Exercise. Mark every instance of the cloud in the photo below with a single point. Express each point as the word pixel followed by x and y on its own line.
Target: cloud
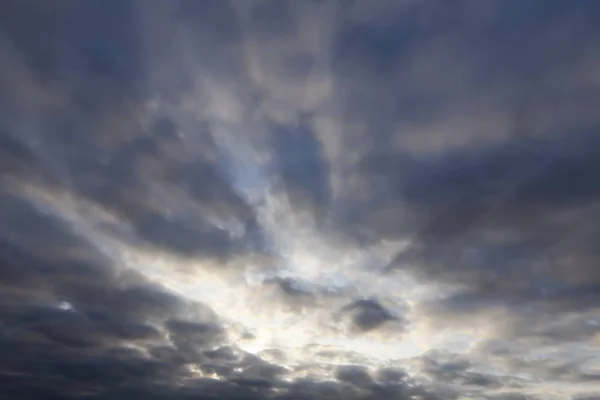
pixel 367 314
pixel 279 199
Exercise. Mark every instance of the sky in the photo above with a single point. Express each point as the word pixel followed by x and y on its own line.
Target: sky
pixel 300 199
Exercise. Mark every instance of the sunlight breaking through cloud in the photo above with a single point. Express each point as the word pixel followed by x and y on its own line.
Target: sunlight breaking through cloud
pixel 299 199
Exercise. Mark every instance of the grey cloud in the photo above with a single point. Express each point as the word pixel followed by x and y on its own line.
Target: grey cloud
pixel 510 396
pixel 292 288
pixel 78 326
pixel 355 375
pixel 303 168
pixel 527 247
pixel 190 337
pixel 458 370
pixel 467 129
pixel 390 375
pixel 367 314
pixel 97 72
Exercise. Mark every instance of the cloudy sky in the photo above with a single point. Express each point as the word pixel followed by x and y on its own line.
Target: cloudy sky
pixel 303 199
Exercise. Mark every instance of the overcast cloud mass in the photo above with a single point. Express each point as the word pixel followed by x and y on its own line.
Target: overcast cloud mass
pixel 303 199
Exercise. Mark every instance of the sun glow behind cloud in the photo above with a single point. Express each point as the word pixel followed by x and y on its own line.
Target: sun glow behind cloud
pixel 259 317
pixel 327 272
pixel 256 315
pixel 312 184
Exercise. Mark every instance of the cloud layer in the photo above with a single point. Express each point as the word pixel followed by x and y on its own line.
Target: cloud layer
pixel 299 199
